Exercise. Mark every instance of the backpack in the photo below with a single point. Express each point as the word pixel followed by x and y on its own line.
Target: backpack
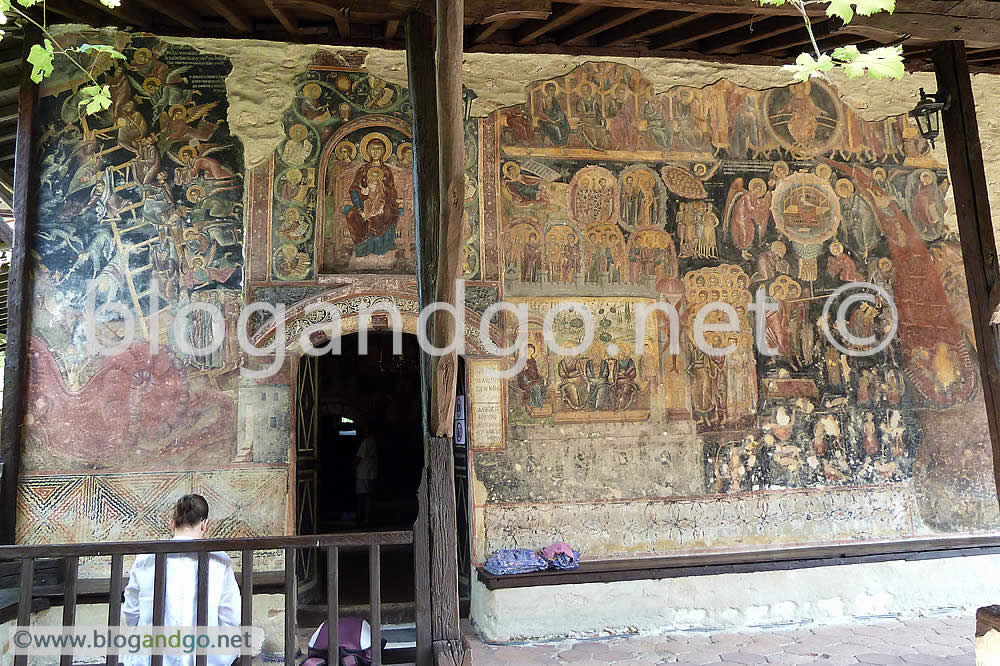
pixel 355 639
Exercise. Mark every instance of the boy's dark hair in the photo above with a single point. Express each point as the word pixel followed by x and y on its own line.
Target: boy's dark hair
pixel 190 510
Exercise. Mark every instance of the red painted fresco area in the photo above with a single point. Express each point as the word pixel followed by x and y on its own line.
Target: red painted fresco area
pixel 137 407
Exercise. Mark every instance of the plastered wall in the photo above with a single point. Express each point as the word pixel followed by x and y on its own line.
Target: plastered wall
pixel 614 183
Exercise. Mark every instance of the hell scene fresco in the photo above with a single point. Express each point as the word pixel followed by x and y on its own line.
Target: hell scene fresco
pixel 612 194
pixel 140 209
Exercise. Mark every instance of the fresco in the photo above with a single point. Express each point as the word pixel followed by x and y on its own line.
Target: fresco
pixel 142 205
pixel 611 193
pixel 342 178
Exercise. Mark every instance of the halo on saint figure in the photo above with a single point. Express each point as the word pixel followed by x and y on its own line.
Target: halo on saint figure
pixel 198 262
pixel 298 132
pixel 195 193
pixel 367 142
pixel 757 187
pixel 151 83
pixel 346 151
pixel 781 169
pixel 512 170
pixel 293 176
pixel 926 177
pixel 844 188
pixel 177 111
pixel 187 151
pixel 405 152
pixel 146 54
pixel 312 91
pixel 700 169
pixel 824 171
pixel 878 173
pixel 375 174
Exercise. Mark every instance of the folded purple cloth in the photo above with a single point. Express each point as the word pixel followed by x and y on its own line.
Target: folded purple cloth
pixel 561 555
pixel 549 552
pixel 514 561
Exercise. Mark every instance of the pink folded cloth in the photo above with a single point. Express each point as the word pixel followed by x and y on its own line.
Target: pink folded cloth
pixel 549 552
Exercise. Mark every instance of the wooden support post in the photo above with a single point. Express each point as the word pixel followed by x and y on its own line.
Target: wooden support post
pixel 449 647
pixel 975 225
pixel 18 300
pixel 423 101
pixel 451 158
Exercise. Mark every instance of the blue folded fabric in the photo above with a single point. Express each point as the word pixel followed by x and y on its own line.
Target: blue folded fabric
pixel 510 561
pixel 564 561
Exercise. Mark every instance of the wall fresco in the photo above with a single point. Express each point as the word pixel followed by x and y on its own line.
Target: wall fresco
pixel 611 193
pixel 142 204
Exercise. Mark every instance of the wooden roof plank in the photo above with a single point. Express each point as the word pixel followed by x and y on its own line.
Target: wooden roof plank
pixel 645 26
pixel 703 29
pixel 606 19
pixel 391 28
pixel 234 15
pixel 487 31
pixel 564 16
pixel 476 11
pixel 767 29
pixel 286 20
pixel 705 7
pixel 122 14
pixel 175 12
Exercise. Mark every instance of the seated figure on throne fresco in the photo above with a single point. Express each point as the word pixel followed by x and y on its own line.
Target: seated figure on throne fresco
pixel 367 217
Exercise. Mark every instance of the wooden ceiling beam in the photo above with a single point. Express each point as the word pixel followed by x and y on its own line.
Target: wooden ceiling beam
pixel 793 39
pixel 234 15
pixel 702 29
pixel 487 31
pixel 123 14
pixel 175 12
pixel 78 12
pixel 645 26
pixel 286 19
pixel 983 55
pixel 476 11
pixel 391 28
pixel 343 21
pixel 606 19
pixel 706 7
pixel 760 31
pixel 560 18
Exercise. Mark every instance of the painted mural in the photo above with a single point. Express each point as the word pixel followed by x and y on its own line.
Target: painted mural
pixel 610 193
pixel 141 209
pixel 345 170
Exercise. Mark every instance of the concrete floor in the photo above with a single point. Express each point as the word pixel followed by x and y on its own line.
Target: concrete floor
pixel 943 640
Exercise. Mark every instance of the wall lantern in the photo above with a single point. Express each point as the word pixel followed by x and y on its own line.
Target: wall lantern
pixel 927 113
pixel 467 97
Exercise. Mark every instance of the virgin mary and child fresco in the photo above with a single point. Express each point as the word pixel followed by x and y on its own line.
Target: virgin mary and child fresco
pixel 374 209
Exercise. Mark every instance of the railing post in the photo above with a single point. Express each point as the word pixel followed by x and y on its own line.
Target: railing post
pixel 24 602
pixel 290 607
pixel 69 605
pixel 375 592
pixel 333 602
pixel 114 603
pixel 159 598
pixel 246 598
pixel 201 659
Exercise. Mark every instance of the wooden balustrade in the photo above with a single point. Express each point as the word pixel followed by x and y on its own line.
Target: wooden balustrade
pixel 332 544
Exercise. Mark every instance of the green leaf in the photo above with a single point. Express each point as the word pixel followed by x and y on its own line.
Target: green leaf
pixel 772 2
pixel 40 57
pixel 97 98
pixel 869 7
pixel 28 3
pixel 882 63
pixel 806 66
pixel 847 53
pixel 841 9
pixel 102 48
pixel 4 6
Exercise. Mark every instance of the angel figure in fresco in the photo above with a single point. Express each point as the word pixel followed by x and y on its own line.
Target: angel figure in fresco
pixel 175 123
pixel 147 64
pixel 552 120
pixel 748 213
pixel 195 163
pixel 374 209
pixel 524 190
pixel 165 92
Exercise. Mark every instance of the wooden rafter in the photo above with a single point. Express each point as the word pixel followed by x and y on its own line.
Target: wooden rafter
pixel 391 28
pixel 606 19
pixel 124 14
pixel 176 12
pixel 793 39
pixel 645 26
pixel 565 16
pixel 485 32
pixel 233 15
pixel 476 11
pixel 343 21
pixel 702 29
pixel 286 20
pixel 707 7
pixel 759 31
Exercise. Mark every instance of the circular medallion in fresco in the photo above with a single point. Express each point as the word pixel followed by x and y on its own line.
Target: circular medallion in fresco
pixel 291 263
pixel 805 208
pixel 592 197
pixel 642 199
pixel 805 118
pixel 295 226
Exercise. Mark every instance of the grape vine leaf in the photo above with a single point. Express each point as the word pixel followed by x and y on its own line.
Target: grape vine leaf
pixel 40 58
pixel 806 66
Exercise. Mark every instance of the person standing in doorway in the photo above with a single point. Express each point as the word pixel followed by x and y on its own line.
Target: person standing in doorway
pixel 366 471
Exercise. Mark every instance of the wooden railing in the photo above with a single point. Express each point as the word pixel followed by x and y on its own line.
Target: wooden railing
pixel 332 544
